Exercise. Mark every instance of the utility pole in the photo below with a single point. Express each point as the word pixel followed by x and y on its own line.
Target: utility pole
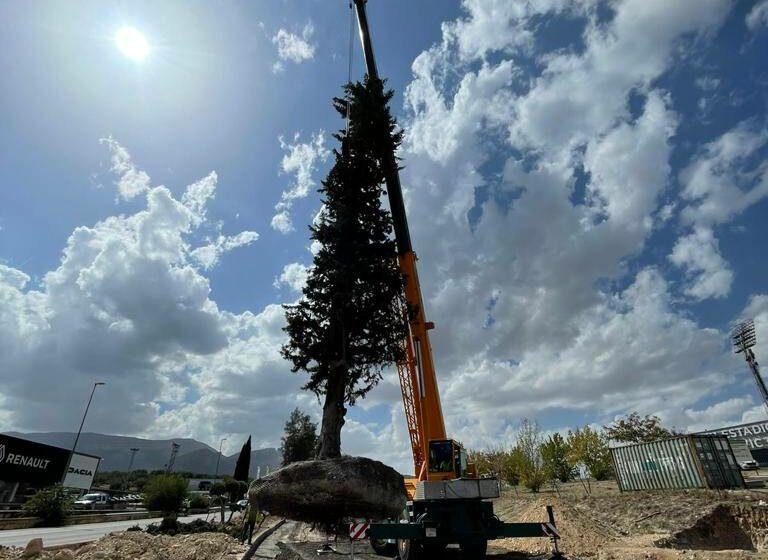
pixel 79 431
pixel 133 455
pixel 743 336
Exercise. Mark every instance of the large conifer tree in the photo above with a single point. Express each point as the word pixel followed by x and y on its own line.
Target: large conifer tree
pixel 349 326
pixel 243 464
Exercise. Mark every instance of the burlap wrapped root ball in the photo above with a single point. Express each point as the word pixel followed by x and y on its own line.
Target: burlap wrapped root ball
pixel 323 491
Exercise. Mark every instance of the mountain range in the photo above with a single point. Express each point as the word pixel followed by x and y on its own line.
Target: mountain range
pixel 115 452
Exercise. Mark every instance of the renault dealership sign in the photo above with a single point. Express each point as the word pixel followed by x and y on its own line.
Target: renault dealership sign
pixel 26 461
pixel 34 463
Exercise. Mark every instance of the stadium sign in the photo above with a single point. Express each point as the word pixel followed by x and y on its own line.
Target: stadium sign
pixel 754 433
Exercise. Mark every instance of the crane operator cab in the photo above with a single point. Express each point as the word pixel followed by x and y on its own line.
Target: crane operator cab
pixel 447 460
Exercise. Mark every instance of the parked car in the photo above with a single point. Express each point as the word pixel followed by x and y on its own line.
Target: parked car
pixel 748 465
pixel 239 505
pixel 92 500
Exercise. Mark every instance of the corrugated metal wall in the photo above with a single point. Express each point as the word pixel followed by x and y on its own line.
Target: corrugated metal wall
pixel 673 464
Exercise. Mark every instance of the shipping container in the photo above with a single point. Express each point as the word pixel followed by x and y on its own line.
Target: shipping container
pixel 691 461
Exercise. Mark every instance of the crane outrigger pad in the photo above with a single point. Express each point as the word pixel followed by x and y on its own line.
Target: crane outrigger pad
pixel 325 491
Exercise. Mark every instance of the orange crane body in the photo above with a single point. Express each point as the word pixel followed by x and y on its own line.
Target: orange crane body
pixel 418 381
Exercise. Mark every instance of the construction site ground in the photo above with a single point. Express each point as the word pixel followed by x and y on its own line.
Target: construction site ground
pixel 596 522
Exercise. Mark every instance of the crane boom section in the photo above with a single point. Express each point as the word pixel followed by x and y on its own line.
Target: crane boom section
pixel 418 382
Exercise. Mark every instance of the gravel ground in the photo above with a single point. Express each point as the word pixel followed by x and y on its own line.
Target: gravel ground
pixel 601 525
pixel 137 545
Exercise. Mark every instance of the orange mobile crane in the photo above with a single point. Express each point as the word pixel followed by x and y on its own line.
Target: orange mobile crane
pixel 447 502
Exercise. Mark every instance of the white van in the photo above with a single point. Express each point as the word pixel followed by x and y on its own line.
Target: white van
pixel 92 500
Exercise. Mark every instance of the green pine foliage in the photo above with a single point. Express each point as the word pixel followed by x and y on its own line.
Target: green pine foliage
pixel 349 325
pixel 300 438
pixel 243 464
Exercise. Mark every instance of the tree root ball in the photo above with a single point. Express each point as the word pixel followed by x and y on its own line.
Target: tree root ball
pixel 328 490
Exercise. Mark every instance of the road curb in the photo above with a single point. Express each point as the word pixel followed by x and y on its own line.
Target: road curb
pixel 260 539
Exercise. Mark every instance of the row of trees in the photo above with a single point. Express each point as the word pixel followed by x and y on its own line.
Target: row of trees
pixel 583 453
pixel 533 461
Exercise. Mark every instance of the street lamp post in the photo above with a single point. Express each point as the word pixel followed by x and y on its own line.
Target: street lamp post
pixel 80 429
pixel 218 457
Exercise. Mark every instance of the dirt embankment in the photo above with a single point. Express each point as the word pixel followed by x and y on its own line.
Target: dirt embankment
pixel 609 525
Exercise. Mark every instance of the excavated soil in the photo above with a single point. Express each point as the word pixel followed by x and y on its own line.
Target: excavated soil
pixel 137 545
pixel 608 525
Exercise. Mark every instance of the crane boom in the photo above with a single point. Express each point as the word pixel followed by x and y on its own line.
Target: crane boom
pixel 418 382
pixel 448 502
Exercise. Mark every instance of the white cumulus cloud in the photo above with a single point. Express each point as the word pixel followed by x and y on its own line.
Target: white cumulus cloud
pixel 300 160
pixel 126 305
pixel 716 183
pixel 294 275
pixel 131 181
pixel 523 294
pixel 208 255
pixel 294 47
pixel 758 16
pixel 699 256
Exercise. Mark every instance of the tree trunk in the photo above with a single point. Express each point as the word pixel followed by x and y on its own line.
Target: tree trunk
pixel 333 415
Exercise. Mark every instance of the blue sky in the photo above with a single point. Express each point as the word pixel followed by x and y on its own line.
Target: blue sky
pixel 586 186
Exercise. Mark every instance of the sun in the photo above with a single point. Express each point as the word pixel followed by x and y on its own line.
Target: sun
pixel 132 43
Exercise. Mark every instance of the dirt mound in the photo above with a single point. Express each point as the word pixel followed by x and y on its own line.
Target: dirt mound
pixel 328 490
pixel 717 530
pixel 137 545
pixel 581 536
pixel 725 527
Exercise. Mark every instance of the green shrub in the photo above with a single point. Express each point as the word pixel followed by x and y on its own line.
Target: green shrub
pixel 199 501
pixel 554 456
pixel 533 477
pixel 166 493
pixel 235 489
pixel 590 448
pixel 52 505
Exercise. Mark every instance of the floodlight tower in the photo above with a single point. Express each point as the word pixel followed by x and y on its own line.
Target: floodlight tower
pixel 743 336
pixel 174 450
pixel 133 456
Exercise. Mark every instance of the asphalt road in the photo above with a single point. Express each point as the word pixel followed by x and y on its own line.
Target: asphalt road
pixel 53 536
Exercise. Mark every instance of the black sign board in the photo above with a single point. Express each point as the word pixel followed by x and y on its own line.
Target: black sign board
pixel 26 461
pixel 755 434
